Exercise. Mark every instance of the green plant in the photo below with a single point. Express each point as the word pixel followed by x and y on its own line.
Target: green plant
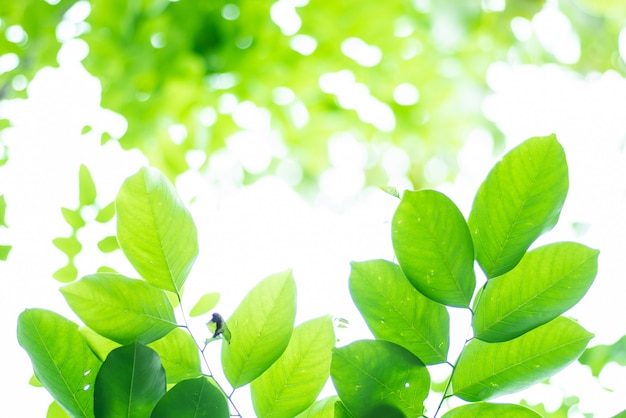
pixel 134 358
pixel 519 334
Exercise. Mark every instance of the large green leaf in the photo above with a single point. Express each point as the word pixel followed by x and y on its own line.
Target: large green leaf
pixel 192 398
pixel 491 410
pixel 434 247
pixel 62 361
pixel 372 374
pixel 485 370
pixel 324 408
pixel 130 383
pixel 547 282
pixel 261 327
pixel 396 312
pixel 121 309
pixel 155 230
pixel 179 354
pixel 521 199
pixel 293 382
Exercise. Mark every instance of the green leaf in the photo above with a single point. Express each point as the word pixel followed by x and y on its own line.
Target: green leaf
pixel 55 411
pixel 106 213
pixel 261 327
pixel 485 370
pixel 3 209
pixel 293 382
pixel 70 246
pixel 192 398
pixel 86 187
pixel 35 382
pixel 155 230
pixel 73 218
pixel 179 354
pixel 547 282
pixel 121 309
pixel 620 415
pixel 599 356
pixel 130 382
pixel 396 312
pixel 101 346
pixel 108 244
pixel 62 361
pixel 491 410
pixel 341 411
pixel 4 252
pixel 521 199
pixel 324 408
pixel 370 374
pixel 206 302
pixel 434 247
pixel 390 190
pixel 66 274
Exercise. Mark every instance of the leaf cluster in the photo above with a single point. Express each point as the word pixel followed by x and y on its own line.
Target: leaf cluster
pixel 132 357
pixel 520 336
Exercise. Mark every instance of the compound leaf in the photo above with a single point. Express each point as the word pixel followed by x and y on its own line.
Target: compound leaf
pixel 293 382
pixel 155 230
pixel 520 199
pixel 121 309
pixel 434 247
pixel 396 312
pixel 485 370
pixel 62 361
pixel 260 328
pixel 547 282
pixel 369 375
pixel 130 382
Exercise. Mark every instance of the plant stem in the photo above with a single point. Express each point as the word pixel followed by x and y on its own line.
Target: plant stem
pixel 206 362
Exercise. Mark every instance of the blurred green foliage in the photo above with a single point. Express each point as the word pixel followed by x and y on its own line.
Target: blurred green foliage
pixel 273 81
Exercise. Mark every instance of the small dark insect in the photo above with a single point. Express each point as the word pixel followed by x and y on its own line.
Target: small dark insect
pixel 220 327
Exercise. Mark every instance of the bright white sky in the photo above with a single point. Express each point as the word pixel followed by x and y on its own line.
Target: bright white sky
pixel 248 233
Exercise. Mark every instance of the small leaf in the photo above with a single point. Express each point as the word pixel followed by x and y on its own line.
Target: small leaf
pixel 390 190
pixel 130 382
pixel 261 327
pixel 4 252
pixel 86 187
pixel 55 411
pixel 599 356
pixel 521 199
pixel 3 208
pixel 293 382
pixel 121 309
pixel 396 312
pixel 485 370
pixel 73 218
pixel 547 282
pixel 434 247
pixel 206 302
pixel 62 361
pixel 192 398
pixel 108 244
pixel 324 408
pixel 491 410
pixel 70 246
pixel 66 274
pixel 179 355
pixel 35 382
pixel 155 230
pixel 371 374
pixel 106 213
